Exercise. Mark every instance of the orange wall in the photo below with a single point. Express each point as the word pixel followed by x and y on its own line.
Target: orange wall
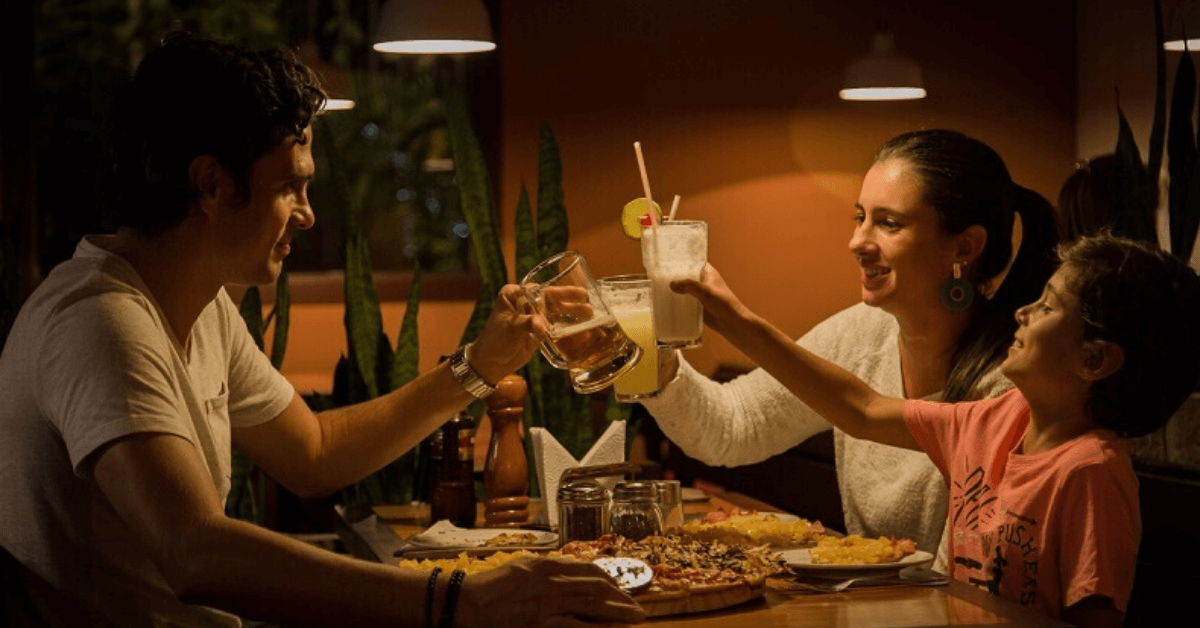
pixel 736 108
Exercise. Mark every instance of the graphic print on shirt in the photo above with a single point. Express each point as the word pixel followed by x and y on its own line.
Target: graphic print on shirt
pixel 991 540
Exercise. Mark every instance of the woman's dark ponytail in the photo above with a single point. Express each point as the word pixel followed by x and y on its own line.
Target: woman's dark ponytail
pixel 984 343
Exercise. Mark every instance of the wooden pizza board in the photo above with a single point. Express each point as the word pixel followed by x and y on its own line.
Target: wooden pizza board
pixel 682 602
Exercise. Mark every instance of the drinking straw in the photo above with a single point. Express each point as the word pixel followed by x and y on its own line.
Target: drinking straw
pixel 637 148
pixel 674 208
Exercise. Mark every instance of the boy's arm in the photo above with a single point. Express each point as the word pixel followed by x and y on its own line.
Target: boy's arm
pixel 833 392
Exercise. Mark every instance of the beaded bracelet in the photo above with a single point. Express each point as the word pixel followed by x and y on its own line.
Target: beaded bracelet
pixel 456 580
pixel 433 577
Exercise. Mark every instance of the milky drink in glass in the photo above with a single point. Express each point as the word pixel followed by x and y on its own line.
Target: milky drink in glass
pixel 675 249
pixel 582 336
pixel 628 296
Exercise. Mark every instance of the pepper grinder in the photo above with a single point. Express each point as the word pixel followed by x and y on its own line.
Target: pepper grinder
pixel 506 471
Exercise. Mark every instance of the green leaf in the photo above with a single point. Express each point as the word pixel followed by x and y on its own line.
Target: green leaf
pixel 1159 122
pixel 243 501
pixel 475 192
pixel 283 307
pixel 1189 221
pixel 251 311
pixel 404 365
pixel 552 232
pixel 1134 217
pixel 364 322
pixel 1181 153
pixel 528 254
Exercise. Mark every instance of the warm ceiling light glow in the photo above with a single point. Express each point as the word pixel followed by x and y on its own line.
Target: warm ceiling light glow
pixel 434 46
pixel 882 93
pixel 883 74
pixel 433 27
pixel 1176 45
pixel 338 104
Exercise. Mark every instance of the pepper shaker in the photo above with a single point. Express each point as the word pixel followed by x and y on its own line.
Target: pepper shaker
pixel 635 512
pixel 583 511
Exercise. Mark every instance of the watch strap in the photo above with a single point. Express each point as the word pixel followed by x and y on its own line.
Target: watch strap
pixel 467 376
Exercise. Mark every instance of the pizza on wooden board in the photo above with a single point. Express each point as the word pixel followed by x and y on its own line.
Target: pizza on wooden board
pixel 690 575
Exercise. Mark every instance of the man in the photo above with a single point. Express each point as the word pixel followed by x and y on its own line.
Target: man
pixel 128 374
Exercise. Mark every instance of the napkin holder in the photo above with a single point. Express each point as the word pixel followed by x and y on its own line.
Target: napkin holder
pixel 552 459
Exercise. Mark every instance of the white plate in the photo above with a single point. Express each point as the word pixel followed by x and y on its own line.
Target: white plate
pixel 800 561
pixel 455 537
pixel 689 494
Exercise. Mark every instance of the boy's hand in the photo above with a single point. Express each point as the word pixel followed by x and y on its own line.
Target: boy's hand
pixel 722 309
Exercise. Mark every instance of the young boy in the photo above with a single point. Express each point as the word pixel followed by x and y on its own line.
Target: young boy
pixel 1043 498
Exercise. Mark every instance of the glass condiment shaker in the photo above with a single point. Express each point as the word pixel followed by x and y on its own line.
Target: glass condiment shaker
pixel 670 503
pixel 635 513
pixel 582 511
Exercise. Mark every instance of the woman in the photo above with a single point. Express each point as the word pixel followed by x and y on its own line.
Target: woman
pixel 937 219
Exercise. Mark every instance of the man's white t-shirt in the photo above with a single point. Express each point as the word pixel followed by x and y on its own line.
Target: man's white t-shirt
pixel 91 359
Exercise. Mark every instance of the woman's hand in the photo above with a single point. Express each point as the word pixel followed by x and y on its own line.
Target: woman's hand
pixel 722 309
pixel 506 343
pixel 534 592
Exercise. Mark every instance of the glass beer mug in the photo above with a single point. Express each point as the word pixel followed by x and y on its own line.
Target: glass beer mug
pixel 583 335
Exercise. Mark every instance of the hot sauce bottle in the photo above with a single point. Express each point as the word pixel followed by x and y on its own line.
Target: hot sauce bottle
pixel 454 481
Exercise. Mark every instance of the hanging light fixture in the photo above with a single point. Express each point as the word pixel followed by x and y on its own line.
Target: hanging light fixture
pixel 434 27
pixel 1182 21
pixel 883 74
pixel 333 79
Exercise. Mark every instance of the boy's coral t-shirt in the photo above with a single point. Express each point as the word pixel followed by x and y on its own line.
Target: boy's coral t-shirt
pixel 1047 529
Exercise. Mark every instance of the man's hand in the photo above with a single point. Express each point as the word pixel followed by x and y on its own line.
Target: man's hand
pixel 507 341
pixel 544 592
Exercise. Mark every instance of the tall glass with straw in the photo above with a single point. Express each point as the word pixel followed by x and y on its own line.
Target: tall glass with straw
pixel 672 250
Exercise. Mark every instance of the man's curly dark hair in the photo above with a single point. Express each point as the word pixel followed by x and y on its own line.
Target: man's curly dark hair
pixel 1148 303
pixel 192 97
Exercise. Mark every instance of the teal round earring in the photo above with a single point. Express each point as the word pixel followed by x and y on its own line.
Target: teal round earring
pixel 957 293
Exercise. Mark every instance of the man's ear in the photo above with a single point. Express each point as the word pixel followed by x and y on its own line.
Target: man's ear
pixel 1101 358
pixel 970 244
pixel 212 182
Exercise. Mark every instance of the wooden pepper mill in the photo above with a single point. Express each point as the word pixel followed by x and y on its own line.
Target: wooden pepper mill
pixel 506 472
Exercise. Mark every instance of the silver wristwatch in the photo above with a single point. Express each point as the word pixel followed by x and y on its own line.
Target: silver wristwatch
pixel 467 376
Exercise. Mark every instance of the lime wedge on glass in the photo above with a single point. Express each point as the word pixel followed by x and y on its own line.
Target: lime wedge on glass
pixel 631 216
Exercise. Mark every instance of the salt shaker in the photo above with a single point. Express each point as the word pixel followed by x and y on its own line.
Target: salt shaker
pixel 635 512
pixel 582 511
pixel 670 503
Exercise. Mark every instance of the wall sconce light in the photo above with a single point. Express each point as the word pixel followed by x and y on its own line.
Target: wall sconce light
pixel 1182 20
pixel 434 27
pixel 883 74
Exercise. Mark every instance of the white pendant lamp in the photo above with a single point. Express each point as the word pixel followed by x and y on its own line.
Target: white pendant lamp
pixel 333 78
pixel 883 74
pixel 433 27
pixel 1182 20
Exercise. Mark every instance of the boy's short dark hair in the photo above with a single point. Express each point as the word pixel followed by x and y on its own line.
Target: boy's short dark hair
pixel 193 97
pixel 1148 303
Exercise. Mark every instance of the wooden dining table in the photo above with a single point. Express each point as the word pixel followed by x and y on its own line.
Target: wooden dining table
pixel 379 532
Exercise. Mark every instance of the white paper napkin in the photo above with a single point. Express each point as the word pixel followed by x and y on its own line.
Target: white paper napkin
pixel 552 459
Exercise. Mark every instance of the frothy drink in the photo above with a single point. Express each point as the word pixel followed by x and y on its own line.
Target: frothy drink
pixel 674 250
